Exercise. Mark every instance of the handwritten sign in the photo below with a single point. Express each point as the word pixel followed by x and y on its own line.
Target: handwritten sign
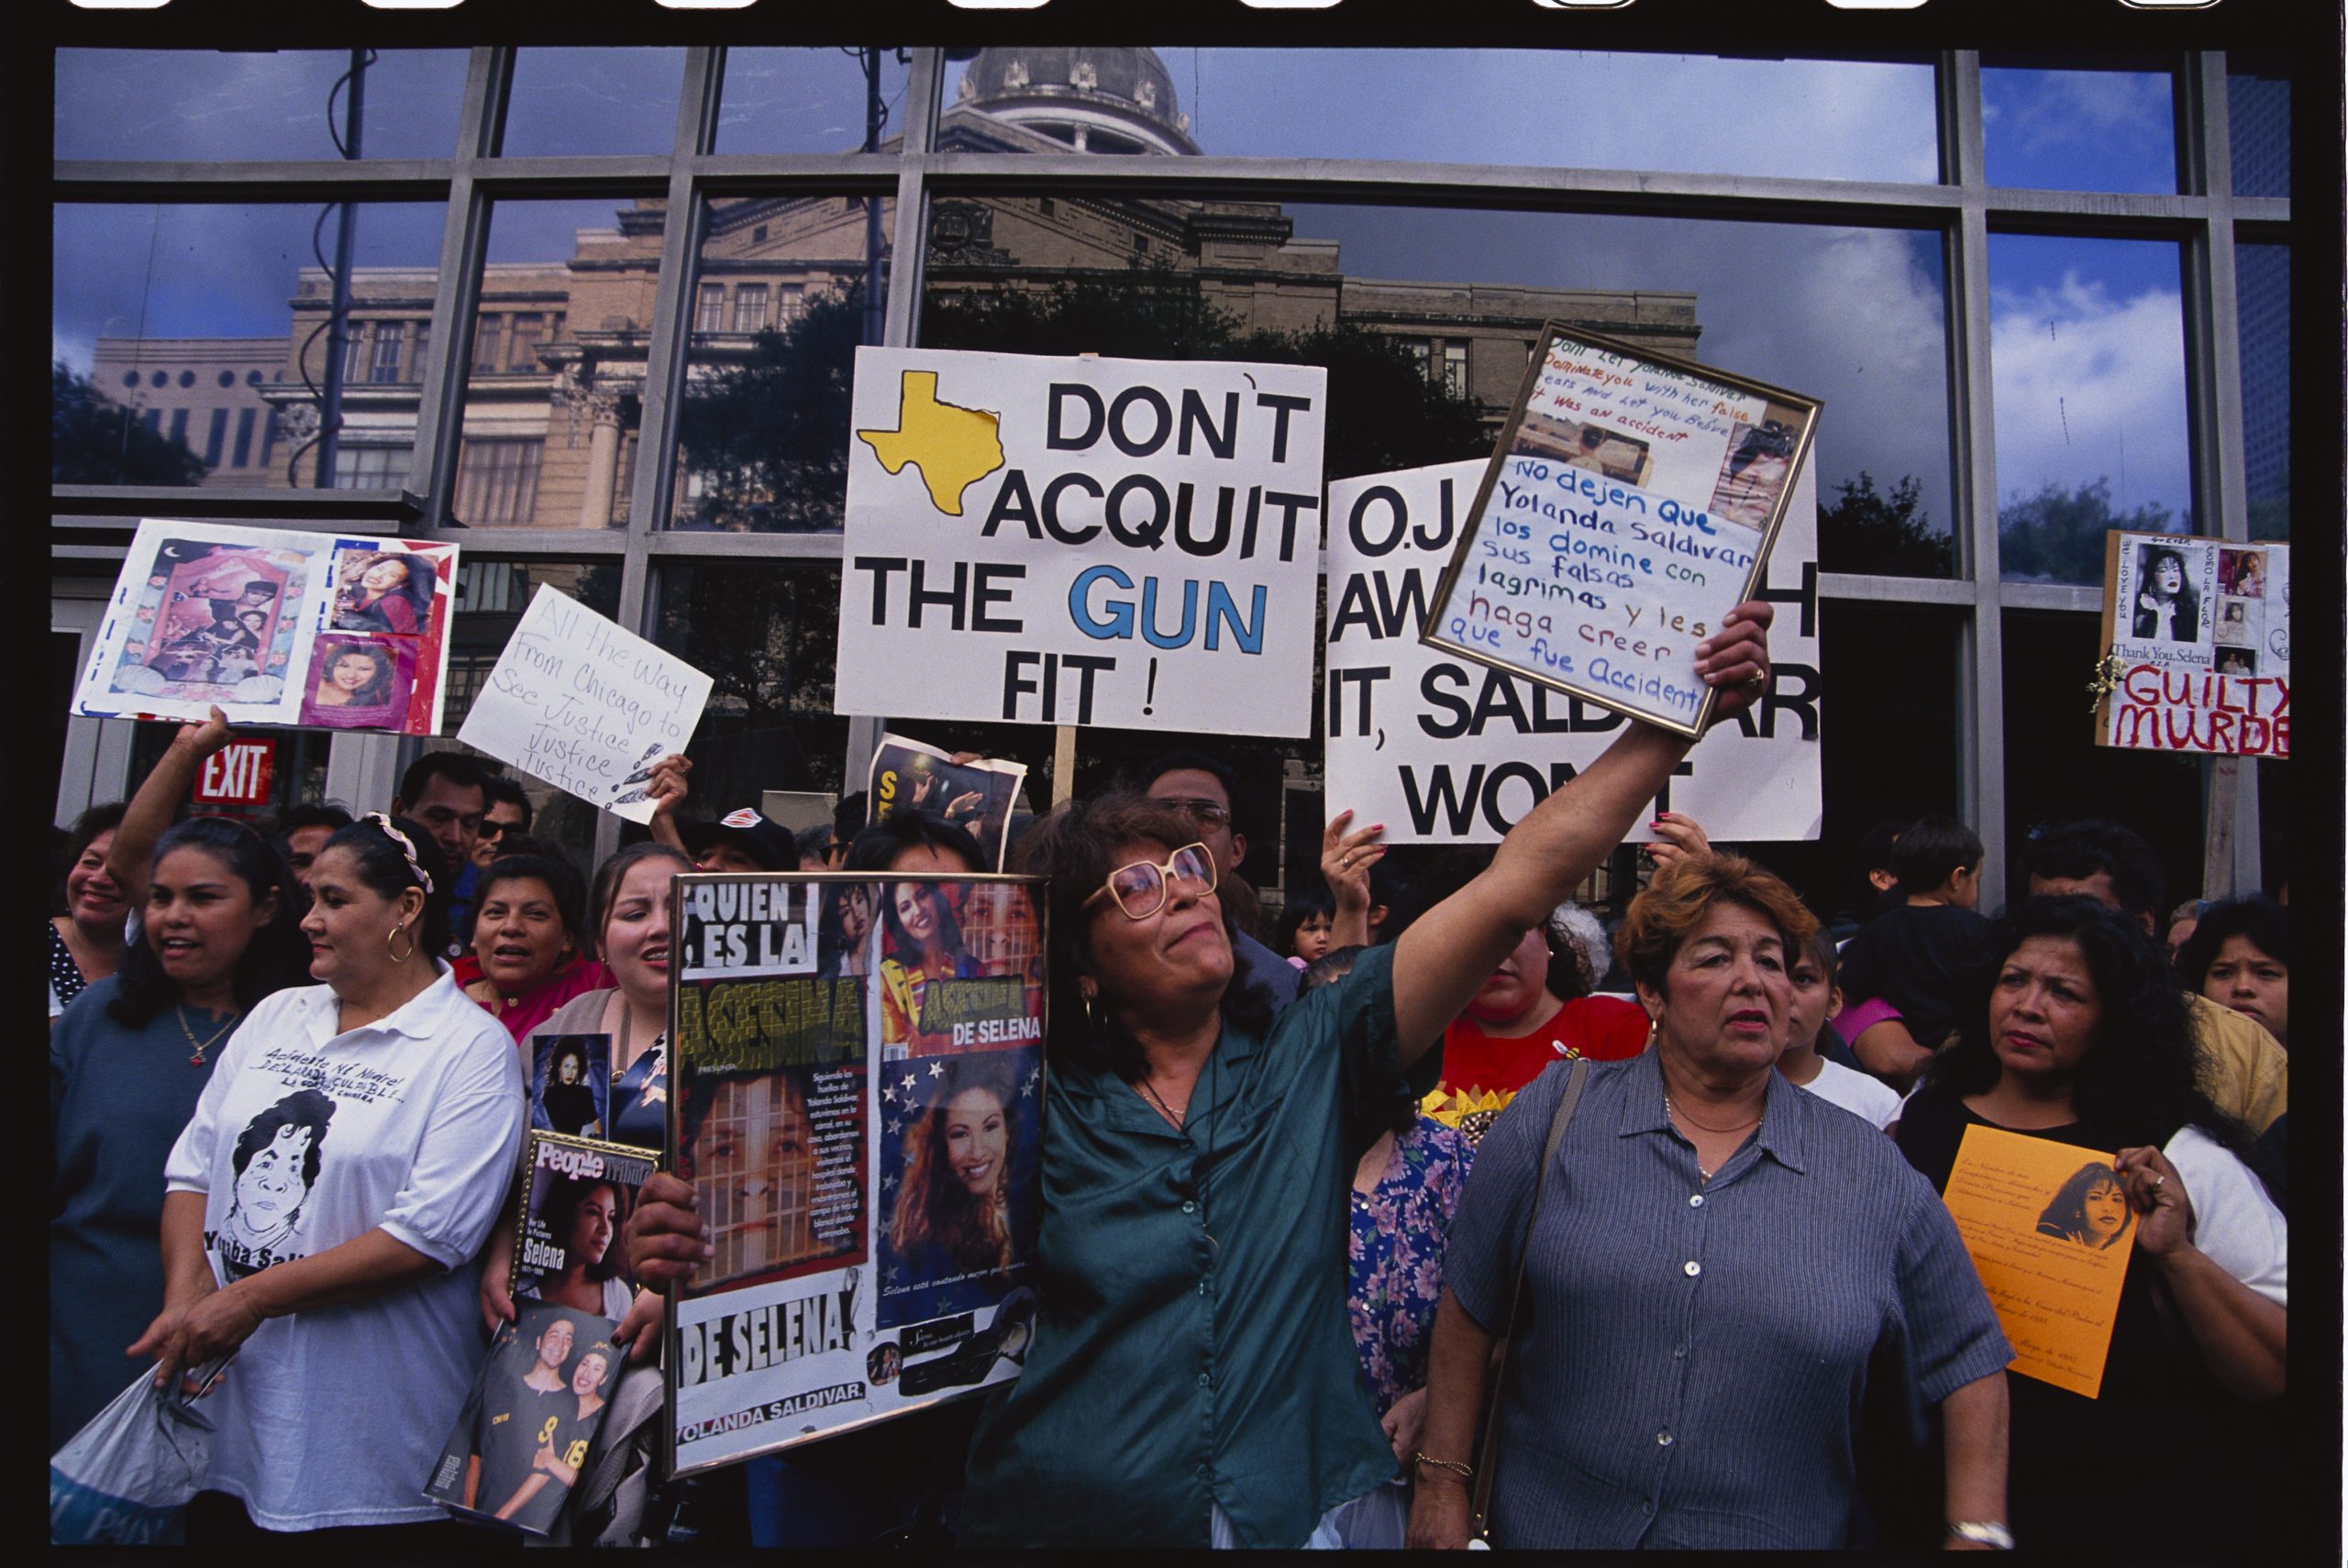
pixel 2201 631
pixel 1081 541
pixel 2050 1231
pixel 585 704
pixel 1630 505
pixel 1445 751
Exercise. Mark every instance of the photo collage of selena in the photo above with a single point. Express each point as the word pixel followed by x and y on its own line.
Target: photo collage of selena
pixel 858 1091
pixel 2201 603
pixel 276 627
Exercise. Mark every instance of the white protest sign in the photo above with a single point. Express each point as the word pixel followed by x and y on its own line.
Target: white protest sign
pixel 2200 637
pixel 1127 543
pixel 1623 516
pixel 585 704
pixel 1445 751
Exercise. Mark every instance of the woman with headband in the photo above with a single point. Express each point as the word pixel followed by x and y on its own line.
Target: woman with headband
pixel 348 1154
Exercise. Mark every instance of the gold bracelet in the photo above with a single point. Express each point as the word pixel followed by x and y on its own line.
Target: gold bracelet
pixel 1464 1473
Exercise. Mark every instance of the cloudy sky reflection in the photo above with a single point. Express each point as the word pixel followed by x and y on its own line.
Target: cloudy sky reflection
pixel 2087 338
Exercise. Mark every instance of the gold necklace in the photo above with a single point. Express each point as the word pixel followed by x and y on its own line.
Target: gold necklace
pixel 1671 1109
pixel 197 1060
pixel 1168 1111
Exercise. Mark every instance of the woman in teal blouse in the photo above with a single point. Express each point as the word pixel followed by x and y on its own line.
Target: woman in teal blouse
pixel 1193 1379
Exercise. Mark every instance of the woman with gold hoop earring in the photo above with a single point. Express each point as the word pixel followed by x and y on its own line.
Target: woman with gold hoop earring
pixel 374 1118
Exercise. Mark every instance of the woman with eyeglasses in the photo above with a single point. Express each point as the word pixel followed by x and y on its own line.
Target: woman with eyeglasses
pixel 1194 1378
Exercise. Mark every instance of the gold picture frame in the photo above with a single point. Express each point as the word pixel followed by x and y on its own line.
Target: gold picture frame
pixel 1670 481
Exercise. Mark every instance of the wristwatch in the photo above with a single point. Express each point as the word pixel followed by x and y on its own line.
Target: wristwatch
pixel 1982 1532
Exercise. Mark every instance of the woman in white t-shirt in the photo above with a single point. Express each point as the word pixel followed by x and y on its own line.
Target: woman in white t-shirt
pixel 325 1204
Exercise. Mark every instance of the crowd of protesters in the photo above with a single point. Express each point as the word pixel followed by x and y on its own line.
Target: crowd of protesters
pixel 1662 1235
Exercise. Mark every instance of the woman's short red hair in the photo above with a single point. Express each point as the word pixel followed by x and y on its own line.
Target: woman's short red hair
pixel 1684 892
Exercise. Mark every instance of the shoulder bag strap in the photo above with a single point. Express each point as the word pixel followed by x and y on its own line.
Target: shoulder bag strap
pixel 1488 1449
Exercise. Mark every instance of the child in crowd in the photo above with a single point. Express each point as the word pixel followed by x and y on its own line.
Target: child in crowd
pixel 1920 957
pixel 1306 921
pixel 1817 999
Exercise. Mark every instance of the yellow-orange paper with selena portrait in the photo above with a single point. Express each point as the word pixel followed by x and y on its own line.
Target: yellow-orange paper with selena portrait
pixel 2050 1231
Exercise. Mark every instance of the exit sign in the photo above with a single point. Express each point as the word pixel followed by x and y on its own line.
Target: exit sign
pixel 238 773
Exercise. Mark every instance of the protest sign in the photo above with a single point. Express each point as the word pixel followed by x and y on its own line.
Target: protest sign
pixel 1445 751
pixel 909 775
pixel 2199 633
pixel 2050 1231
pixel 856 1094
pixel 1630 505
pixel 275 626
pixel 1081 541
pixel 585 704
pixel 571 1218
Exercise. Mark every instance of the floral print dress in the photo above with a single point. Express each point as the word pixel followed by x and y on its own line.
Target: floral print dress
pixel 1395 1256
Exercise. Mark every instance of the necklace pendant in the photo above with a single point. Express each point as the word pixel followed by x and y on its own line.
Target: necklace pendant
pixel 196 1060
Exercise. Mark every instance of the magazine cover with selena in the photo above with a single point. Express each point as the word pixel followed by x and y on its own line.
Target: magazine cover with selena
pixel 859 1104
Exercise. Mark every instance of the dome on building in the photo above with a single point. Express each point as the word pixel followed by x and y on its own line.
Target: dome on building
pixel 1106 100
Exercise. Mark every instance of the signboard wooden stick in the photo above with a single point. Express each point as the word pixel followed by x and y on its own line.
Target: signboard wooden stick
pixel 1063 764
pixel 2217 834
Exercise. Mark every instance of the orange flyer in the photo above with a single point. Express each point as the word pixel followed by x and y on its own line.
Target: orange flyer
pixel 2050 1231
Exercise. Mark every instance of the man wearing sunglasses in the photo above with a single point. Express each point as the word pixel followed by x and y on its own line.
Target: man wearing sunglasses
pixel 1203 790
pixel 509 812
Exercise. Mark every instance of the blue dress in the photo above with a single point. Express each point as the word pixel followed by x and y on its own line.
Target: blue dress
pixel 117 1099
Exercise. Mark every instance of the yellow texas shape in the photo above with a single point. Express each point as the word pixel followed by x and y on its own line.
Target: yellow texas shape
pixel 953 447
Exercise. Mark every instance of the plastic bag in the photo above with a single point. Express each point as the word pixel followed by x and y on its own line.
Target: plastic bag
pixel 125 1478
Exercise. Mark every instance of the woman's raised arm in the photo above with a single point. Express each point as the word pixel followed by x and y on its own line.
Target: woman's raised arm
pixel 131 857
pixel 1443 958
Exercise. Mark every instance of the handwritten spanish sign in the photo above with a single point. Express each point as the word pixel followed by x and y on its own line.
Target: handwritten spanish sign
pixel 585 704
pixel 1445 751
pixel 1081 541
pixel 2201 631
pixel 1630 505
pixel 2050 1232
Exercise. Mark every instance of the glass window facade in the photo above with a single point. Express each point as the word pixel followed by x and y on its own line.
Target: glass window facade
pixel 220 106
pixel 656 421
pixel 2087 343
pixel 2102 130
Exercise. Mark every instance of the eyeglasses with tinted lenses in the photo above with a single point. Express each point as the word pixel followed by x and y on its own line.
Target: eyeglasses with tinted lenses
pixel 1140 888
pixel 1206 813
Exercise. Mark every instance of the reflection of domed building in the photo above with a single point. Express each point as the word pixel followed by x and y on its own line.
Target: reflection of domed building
pixel 1092 99
pixel 558 348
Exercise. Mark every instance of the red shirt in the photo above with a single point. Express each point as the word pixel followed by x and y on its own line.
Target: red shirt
pixel 1604 1029
pixel 526 1012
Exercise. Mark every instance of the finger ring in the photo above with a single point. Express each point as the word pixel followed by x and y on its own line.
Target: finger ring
pixel 2159 1182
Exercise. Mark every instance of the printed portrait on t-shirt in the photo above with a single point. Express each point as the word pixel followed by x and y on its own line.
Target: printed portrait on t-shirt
pixel 274 1168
